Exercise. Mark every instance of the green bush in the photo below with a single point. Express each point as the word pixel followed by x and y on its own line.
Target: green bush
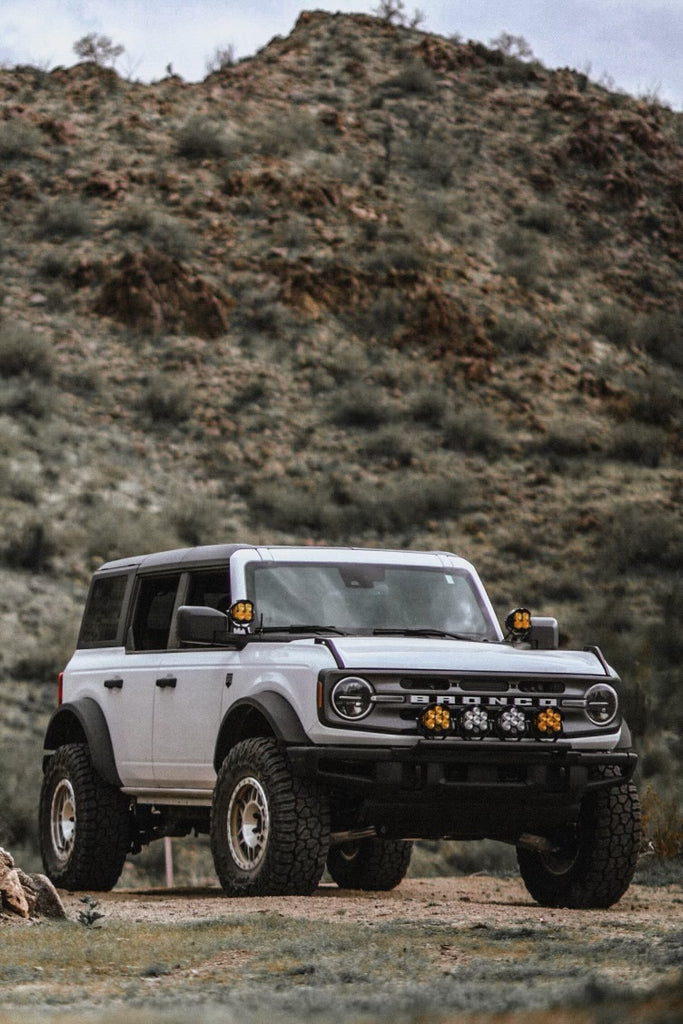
pixel 18 140
pixel 640 536
pixel 661 334
pixel 65 218
pixel 429 405
pixel 473 430
pixel 30 547
pixel 23 352
pixel 166 399
pixel 292 132
pixel 614 323
pixel 568 436
pixel 202 139
pixel 393 444
pixel 520 256
pixel 637 442
pixel 548 218
pixel 519 333
pixel 362 405
pixel 348 511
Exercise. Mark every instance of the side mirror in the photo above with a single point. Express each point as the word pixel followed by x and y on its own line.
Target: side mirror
pixel 545 633
pixel 198 624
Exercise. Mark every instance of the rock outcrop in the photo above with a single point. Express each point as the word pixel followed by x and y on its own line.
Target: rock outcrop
pixel 25 895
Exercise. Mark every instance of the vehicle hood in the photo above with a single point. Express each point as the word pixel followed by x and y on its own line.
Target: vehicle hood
pixel 417 654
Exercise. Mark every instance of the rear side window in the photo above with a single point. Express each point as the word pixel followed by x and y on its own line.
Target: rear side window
pixel 102 617
pixel 154 612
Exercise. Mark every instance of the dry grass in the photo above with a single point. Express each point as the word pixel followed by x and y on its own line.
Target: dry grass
pixel 421 959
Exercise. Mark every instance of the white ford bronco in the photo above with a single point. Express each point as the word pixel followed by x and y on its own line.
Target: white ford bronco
pixel 310 706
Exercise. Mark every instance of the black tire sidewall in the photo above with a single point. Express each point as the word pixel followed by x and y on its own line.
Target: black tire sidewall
pixel 102 834
pixel 298 837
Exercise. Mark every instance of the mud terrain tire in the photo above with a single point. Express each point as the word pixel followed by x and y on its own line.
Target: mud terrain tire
pixel 85 824
pixel 269 829
pixel 370 864
pixel 593 867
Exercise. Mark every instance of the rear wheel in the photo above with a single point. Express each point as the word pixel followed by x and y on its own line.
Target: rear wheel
pixel 84 823
pixel 371 864
pixel 269 829
pixel 593 864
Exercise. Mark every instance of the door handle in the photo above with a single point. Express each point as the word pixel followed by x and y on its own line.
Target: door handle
pixel 168 682
pixel 113 684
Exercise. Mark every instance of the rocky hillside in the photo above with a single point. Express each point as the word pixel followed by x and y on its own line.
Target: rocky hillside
pixel 370 286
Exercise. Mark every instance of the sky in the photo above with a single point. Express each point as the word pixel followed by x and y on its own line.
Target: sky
pixel 632 45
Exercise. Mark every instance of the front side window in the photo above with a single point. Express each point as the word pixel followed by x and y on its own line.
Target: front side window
pixel 102 617
pixel 154 612
pixel 363 598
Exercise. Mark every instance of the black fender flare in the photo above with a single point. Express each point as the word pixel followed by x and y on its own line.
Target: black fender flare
pixel 83 721
pixel 241 718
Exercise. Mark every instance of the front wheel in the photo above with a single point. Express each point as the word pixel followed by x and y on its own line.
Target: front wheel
pixel 593 865
pixel 371 864
pixel 84 823
pixel 269 829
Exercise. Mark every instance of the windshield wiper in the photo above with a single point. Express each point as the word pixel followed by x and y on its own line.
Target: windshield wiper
pixel 303 629
pixel 439 634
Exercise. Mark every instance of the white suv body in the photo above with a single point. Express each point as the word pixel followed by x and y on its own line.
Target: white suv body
pixel 373 690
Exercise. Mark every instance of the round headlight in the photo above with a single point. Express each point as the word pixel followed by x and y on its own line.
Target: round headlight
pixel 352 698
pixel 602 704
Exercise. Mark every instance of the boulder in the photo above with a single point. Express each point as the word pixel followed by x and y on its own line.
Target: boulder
pixel 27 895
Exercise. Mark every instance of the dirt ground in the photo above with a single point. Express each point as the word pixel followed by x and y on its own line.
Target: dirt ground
pixel 459 901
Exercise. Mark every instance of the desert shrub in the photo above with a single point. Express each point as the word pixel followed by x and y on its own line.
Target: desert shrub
pixel 637 442
pixel 662 825
pixel 31 546
pixel 293 131
pixel 65 218
pixel 520 256
pixel 197 519
pixel 397 254
pixel 429 405
pixel 436 157
pixel 54 265
pixel 614 323
pixel 115 532
pixel 393 444
pixel 448 858
pixel 383 317
pixel 166 399
pixel 547 217
pixel 656 399
pixel 18 139
pixel 22 351
pixel 416 78
pixel 568 437
pixel 518 333
pixel 202 139
pixel 222 58
pixel 661 334
pixel 361 405
pixel 642 537
pixel 20 781
pixel 472 430
pixel 23 396
pixel 335 510
pixel 167 234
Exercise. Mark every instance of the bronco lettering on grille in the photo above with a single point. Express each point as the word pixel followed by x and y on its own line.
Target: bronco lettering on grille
pixel 463 701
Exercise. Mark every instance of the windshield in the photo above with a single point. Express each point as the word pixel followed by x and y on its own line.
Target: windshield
pixel 363 598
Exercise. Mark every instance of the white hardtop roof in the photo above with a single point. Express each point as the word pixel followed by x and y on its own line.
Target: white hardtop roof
pixel 221 553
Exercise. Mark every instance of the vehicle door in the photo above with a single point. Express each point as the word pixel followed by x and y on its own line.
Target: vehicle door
pixel 131 685
pixel 189 688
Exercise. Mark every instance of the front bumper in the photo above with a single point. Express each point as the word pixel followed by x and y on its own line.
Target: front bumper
pixel 468 790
